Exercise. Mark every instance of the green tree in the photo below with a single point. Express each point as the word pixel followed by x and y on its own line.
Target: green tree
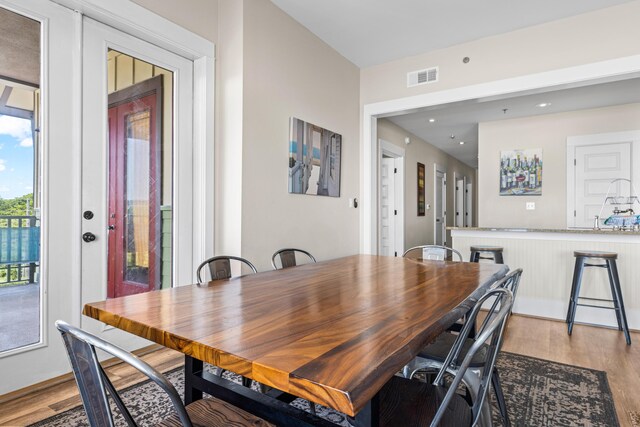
pixel 16 206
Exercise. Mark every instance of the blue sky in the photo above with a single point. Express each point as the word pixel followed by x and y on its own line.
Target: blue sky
pixel 16 157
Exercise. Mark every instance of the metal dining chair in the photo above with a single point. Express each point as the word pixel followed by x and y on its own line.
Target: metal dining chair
pixel 288 258
pixel 96 388
pixel 409 402
pixel 432 252
pixel 220 267
pixel 434 356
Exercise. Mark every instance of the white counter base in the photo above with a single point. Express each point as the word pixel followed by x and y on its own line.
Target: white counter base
pixel 548 262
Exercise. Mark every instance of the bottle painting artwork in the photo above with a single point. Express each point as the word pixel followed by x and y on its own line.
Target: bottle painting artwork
pixel 521 172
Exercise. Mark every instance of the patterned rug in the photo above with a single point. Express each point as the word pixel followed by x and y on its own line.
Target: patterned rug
pixel 538 393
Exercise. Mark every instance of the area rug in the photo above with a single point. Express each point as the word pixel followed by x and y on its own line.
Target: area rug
pixel 538 393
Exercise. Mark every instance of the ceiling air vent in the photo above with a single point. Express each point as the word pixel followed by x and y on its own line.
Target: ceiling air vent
pixel 421 77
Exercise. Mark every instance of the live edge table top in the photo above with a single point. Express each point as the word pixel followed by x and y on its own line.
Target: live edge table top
pixel 332 332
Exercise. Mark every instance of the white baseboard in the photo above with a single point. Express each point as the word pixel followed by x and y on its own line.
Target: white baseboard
pixel 554 309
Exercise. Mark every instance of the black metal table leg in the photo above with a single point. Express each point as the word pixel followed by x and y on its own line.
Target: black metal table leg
pixel 369 416
pixel 191 366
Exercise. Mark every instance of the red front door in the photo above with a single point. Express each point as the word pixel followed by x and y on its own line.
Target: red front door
pixel 134 197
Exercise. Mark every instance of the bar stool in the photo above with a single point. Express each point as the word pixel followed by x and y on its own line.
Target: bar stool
pixel 614 282
pixel 494 251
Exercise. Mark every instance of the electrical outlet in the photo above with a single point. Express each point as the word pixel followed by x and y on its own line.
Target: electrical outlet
pixel 428 206
pixel 531 206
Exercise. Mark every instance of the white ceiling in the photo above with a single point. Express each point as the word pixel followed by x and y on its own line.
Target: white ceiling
pixel 370 32
pixel 461 119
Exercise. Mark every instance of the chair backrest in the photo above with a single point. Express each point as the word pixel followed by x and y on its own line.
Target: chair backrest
pixel 288 257
pixel 432 252
pixel 220 267
pixel 94 384
pixel 489 335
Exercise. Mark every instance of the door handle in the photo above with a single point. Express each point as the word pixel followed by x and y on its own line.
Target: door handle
pixel 88 237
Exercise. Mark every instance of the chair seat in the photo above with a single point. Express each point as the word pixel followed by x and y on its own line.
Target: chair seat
pixel 411 403
pixel 596 254
pixel 212 412
pixel 440 348
pixel 486 249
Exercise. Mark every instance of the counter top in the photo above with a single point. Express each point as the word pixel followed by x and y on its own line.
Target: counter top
pixel 549 230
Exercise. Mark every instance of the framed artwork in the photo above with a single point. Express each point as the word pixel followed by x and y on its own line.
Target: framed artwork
pixel 421 195
pixel 314 159
pixel 521 172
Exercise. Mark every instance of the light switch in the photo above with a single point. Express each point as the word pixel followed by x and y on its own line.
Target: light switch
pixel 531 206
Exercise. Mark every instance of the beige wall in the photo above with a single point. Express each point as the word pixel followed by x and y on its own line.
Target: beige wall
pixel 198 16
pixel 419 229
pixel 229 137
pixel 604 34
pixel 550 133
pixel 290 72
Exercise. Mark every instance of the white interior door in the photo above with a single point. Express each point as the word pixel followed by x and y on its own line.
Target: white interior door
pixel 137 169
pixel 460 199
pixel 387 207
pixel 440 214
pixel 54 145
pixel 468 206
pixel 595 167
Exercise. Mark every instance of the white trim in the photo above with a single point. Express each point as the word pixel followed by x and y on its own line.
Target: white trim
pixel 567 77
pixel 554 309
pixel 597 139
pixel 203 149
pixel 398 153
pixel 133 19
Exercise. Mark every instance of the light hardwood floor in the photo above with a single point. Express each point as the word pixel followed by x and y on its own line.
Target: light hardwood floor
pixel 590 347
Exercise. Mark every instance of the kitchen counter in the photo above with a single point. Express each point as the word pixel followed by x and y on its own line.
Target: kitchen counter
pixel 546 257
pixel 550 230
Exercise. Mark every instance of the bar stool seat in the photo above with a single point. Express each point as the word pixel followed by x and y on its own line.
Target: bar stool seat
pixel 596 254
pixel 495 253
pixel 583 259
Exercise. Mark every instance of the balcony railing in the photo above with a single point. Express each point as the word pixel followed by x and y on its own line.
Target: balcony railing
pixel 19 249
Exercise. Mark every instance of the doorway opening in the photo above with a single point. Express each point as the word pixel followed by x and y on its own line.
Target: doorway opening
pixel 392 212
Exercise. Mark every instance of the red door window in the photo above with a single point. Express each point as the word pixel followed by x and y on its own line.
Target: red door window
pixel 134 197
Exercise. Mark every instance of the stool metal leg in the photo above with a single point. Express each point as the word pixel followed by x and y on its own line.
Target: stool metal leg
pixel 497 257
pixel 616 304
pixel 577 281
pixel 474 256
pixel 577 278
pixel 618 296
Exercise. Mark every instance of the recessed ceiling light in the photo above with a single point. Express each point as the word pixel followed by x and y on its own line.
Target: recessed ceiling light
pixel 461 142
pixel 432 120
pixel 544 104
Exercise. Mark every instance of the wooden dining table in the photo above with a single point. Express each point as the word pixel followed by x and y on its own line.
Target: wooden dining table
pixel 332 332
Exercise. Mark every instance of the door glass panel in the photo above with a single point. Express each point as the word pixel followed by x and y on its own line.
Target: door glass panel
pixel 140 175
pixel 137 178
pixel 20 293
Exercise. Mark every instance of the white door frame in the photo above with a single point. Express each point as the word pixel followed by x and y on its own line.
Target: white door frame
pixel 598 139
pixel 443 170
pixel 398 153
pixel 597 72
pixel 130 18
